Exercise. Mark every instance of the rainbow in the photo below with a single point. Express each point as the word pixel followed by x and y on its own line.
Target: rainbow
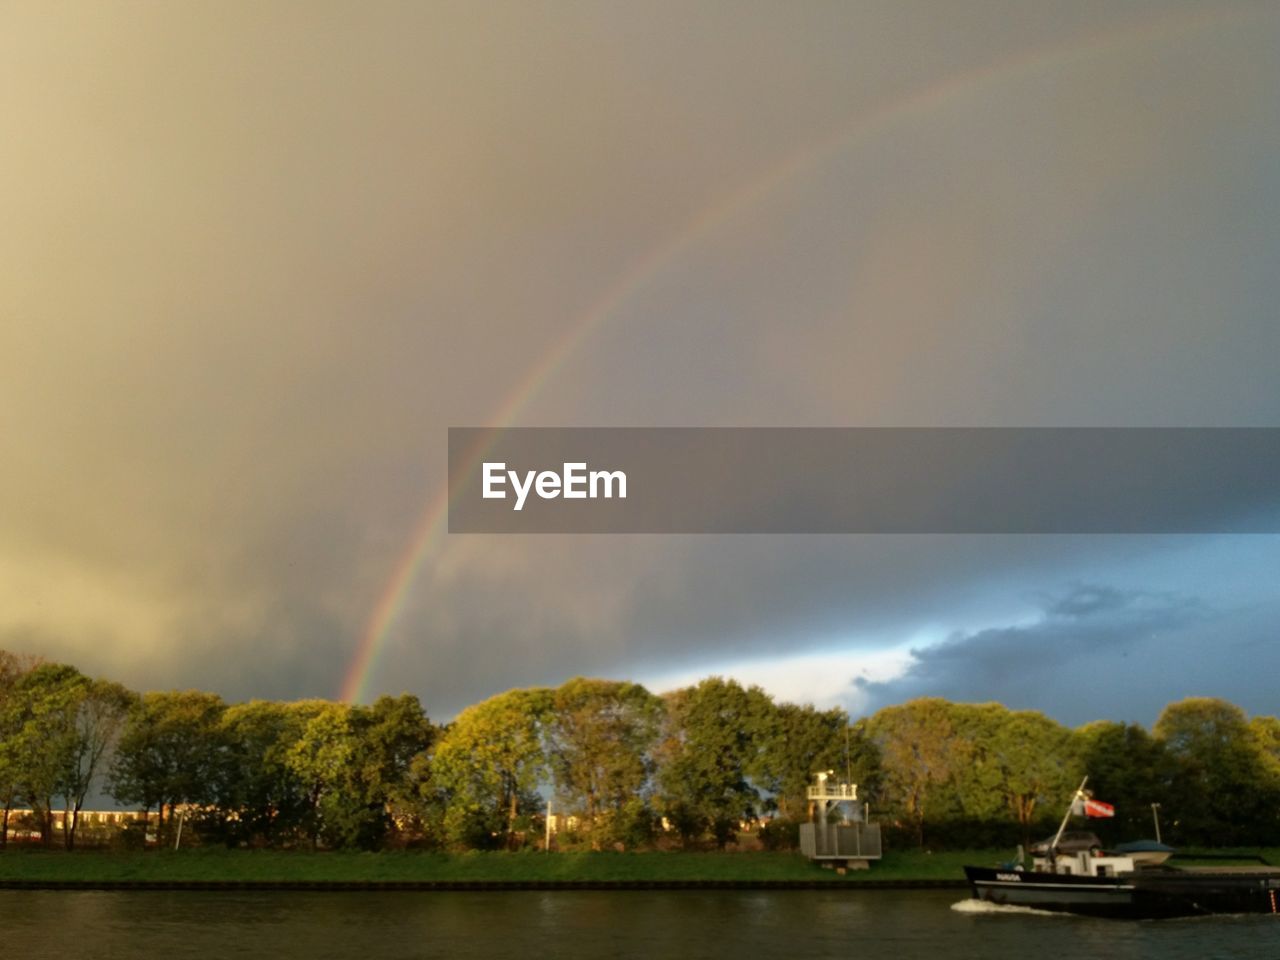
pixel 432 523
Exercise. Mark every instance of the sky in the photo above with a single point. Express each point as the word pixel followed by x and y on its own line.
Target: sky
pixel 258 257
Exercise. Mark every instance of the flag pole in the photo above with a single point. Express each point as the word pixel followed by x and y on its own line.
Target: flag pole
pixel 1078 794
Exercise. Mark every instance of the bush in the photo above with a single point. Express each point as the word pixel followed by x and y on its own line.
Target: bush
pixel 132 836
pixel 780 835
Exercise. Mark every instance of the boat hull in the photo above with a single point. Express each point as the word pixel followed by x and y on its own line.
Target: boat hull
pixel 1145 895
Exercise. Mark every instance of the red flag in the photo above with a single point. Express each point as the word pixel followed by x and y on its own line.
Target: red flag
pixel 1096 808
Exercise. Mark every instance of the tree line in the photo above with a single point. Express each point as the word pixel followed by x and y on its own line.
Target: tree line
pixel 634 769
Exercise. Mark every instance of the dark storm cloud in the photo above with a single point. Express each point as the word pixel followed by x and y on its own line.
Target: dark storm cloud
pixel 257 262
pixel 694 603
pixel 1099 652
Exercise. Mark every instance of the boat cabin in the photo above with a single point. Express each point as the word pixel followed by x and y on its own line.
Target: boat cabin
pixel 1079 853
pixel 1085 863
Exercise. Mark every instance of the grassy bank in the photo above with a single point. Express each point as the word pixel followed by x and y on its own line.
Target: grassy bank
pixel 263 866
pixel 274 866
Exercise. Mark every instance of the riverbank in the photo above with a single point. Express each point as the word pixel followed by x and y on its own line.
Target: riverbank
pixel 207 868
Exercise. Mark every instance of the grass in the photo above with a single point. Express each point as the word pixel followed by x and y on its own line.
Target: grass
pixel 1224 856
pixel 212 865
pixel 266 866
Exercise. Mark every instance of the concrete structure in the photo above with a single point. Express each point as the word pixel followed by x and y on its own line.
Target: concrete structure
pixel 838 834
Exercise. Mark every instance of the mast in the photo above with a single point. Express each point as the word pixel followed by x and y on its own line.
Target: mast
pixel 1053 847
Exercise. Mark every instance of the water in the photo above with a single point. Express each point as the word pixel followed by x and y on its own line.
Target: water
pixel 577 924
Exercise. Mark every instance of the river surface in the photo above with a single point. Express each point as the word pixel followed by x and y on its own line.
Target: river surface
pixel 564 925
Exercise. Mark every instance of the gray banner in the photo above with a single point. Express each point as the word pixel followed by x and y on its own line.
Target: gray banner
pixel 863 480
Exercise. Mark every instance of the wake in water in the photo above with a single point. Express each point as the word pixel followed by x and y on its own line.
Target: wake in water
pixel 985 906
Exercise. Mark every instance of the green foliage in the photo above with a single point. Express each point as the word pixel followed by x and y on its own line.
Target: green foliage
pixel 258 799
pixel 780 835
pixel 920 750
pixel 57 728
pixel 322 758
pixel 42 741
pixel 1224 787
pixel 714 742
pixel 170 751
pixel 352 764
pixel 12 667
pixel 100 710
pixel 968 772
pixel 598 738
pixel 1129 769
pixel 488 766
pixel 1019 757
pixel 131 837
pixel 703 759
pixel 798 742
pixel 1265 734
pixel 630 826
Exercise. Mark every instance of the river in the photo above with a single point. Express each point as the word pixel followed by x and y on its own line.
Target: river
pixel 566 925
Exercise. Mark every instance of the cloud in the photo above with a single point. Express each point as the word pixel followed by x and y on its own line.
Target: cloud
pixel 251 274
pixel 1096 652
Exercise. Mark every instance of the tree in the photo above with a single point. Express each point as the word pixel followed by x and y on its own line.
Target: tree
pixel 713 744
pixel 1265 733
pixel 1223 792
pixel 321 758
pixel 599 737
pixel 12 668
pixel 1129 769
pixel 170 751
pixel 100 709
pixel 43 742
pixel 489 764
pixel 13 712
pixel 391 738
pixel 1016 759
pixel 805 741
pixel 258 798
pixel 920 750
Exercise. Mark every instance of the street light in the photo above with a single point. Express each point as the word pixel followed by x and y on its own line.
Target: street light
pixel 1155 815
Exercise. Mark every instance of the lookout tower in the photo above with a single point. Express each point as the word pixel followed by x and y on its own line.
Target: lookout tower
pixel 838 834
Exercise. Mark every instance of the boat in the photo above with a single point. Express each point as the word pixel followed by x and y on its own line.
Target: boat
pixel 1146 852
pixel 1073 873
